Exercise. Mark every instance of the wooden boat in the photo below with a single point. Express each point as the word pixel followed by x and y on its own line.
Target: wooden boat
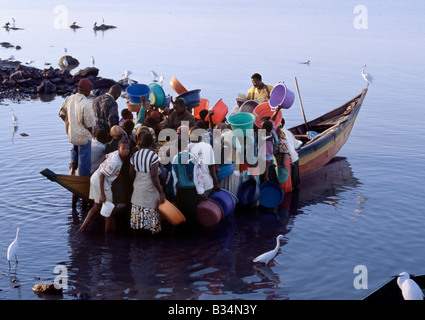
pixel 333 130
pixel 390 290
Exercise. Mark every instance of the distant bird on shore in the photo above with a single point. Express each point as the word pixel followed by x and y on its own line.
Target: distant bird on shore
pixel 14 118
pixel 366 76
pixel 12 250
pixel 409 288
pixel 268 256
pixel 29 62
pixel 65 50
pixel 92 60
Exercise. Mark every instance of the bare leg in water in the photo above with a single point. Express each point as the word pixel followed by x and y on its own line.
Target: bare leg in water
pixel 94 210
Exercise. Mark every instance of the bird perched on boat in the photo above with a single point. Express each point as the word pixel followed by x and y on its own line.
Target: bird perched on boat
pixel 13 248
pixel 268 256
pixel 366 76
pixel 74 25
pixel 14 118
pixel 409 288
pixel 92 60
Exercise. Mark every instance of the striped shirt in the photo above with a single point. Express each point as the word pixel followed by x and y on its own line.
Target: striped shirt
pixel 143 159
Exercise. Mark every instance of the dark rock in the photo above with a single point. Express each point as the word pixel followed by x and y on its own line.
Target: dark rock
pixel 103 83
pixel 18 47
pixel 17 75
pixel 46 87
pixel 89 71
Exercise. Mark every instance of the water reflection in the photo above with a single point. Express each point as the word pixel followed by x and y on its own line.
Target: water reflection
pixel 212 263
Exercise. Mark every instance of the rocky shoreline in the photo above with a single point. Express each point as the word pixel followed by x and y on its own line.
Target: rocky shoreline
pixel 22 82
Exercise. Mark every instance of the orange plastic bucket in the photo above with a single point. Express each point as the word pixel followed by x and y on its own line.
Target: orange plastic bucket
pixel 171 213
pixel 177 86
pixel 220 112
pixel 264 110
pixel 204 105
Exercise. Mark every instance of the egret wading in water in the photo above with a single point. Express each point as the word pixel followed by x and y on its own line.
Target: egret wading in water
pixel 268 256
pixel 409 288
pixel 367 77
pixel 13 249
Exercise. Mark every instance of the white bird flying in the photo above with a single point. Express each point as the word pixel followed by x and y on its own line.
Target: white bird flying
pixel 409 288
pixel 13 248
pixel 366 76
pixel 268 256
pixel 92 60
pixel 14 118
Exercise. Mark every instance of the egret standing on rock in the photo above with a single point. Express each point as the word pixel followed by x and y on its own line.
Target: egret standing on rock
pixel 268 256
pixel 13 248
pixel 92 60
pixel 367 77
pixel 409 288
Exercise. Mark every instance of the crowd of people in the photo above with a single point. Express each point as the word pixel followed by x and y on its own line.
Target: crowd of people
pixel 131 163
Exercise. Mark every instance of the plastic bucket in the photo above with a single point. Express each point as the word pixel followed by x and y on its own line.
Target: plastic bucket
pixel 282 174
pixel 264 110
pixel 248 106
pixel 281 95
pixel 235 198
pixel 209 213
pixel 225 171
pixel 204 105
pixel 171 213
pixel 271 194
pixel 191 98
pixel 225 201
pixel 177 86
pixel 242 121
pixel 157 95
pixel 107 208
pixel 136 91
pixel 220 112
pixel 133 107
pixel 248 193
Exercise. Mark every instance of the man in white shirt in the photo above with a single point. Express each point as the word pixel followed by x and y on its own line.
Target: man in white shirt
pixel 205 156
pixel 77 112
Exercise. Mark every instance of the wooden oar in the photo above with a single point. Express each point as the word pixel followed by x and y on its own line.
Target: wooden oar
pixel 307 127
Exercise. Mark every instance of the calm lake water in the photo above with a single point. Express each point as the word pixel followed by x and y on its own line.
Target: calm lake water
pixel 365 208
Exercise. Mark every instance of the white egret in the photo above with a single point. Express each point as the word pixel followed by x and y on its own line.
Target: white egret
pixel 268 256
pixel 13 248
pixel 92 60
pixel 409 288
pixel 161 79
pixel 14 118
pixel 366 76
pixel 126 73
pixel 155 75
pixel 13 22
pixel 65 50
pixel 30 61
pixel 65 62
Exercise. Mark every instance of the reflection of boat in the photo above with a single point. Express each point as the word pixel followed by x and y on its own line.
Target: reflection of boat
pixel 391 291
pixel 324 184
pixel 334 128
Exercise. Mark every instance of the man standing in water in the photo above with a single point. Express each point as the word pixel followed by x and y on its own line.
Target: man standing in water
pixel 260 91
pixel 105 109
pixel 77 112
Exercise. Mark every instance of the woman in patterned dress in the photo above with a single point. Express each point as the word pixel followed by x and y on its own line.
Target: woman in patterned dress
pixel 147 192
